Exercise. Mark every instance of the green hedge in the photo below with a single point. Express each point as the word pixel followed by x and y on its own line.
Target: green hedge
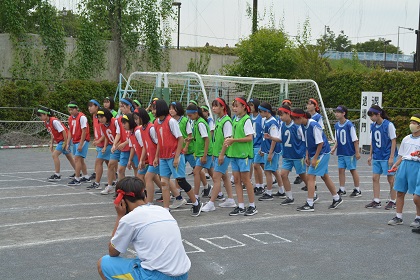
pixel 399 90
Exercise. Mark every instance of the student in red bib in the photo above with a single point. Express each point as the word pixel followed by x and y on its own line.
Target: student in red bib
pixel 98 142
pixel 130 127
pixel 169 157
pixel 60 135
pixel 109 127
pixel 149 138
pixel 80 136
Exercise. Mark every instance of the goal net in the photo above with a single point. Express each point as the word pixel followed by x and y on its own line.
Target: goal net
pixel 186 86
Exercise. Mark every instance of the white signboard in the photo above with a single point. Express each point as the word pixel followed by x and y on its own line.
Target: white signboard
pixel 368 99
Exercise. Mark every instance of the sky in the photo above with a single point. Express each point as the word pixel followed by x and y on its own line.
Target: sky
pixel 221 22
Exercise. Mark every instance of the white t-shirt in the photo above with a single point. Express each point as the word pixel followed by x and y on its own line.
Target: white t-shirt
pixel 227 129
pixel 273 130
pixel 58 126
pixel 408 145
pixel 153 134
pixel 203 130
pixel 138 137
pixel 174 127
pixel 189 126
pixel 211 123
pixel 83 122
pixel 156 238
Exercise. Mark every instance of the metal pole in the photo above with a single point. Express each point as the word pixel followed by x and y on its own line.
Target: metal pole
pixel 179 21
pixel 417 62
pixel 255 16
pixel 398 46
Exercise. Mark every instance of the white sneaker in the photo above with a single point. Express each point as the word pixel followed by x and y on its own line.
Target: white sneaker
pixel 178 203
pixel 208 207
pixel 229 203
pixel 108 190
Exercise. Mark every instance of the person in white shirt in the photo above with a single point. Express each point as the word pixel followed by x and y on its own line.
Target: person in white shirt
pixel 152 231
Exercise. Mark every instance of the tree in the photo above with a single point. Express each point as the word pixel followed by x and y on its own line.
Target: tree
pixel 267 53
pixel 329 41
pixel 376 46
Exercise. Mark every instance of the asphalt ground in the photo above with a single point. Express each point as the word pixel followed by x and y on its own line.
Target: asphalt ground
pixel 53 231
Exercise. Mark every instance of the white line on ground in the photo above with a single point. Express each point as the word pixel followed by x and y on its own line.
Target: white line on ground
pixel 49 207
pixel 198 249
pixel 245 220
pixel 46 195
pixel 34 172
pixel 236 242
pixel 56 220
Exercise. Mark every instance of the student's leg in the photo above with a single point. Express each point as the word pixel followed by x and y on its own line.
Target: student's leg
pixel 304 178
pixel 71 160
pixel 258 174
pixel 141 177
pixel 217 182
pixel 84 167
pixel 165 192
pixel 342 178
pixel 311 186
pixel 99 169
pixel 198 171
pixel 202 177
pixel 268 180
pixel 238 187
pixel 78 166
pixel 376 186
pixel 277 175
pixel 56 160
pixel 329 183
pixel 228 185
pixel 285 178
pixel 416 200
pixel 157 181
pixel 356 178
pixel 148 178
pixel 99 266
pixel 400 202
pixel 249 188
pixel 392 192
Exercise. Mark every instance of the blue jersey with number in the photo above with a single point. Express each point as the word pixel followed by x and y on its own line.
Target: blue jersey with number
pixel 311 146
pixel 293 145
pixel 257 123
pixel 318 118
pixel 266 143
pixel 381 143
pixel 345 145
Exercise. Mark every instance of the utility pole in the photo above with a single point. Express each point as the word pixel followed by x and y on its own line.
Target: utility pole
pixel 417 60
pixel 178 4
pixel 255 16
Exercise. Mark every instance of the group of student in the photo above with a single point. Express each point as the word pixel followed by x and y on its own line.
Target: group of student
pixel 156 143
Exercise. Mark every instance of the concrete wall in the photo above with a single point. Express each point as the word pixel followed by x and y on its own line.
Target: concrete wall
pixel 179 59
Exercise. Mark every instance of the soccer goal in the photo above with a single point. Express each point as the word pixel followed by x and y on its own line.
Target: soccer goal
pixel 186 86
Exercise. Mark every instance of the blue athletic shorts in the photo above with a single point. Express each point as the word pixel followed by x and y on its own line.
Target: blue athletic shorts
pixel 135 161
pixel 221 168
pixel 257 158
pixel 272 165
pixel 60 148
pixel 321 167
pixel 190 159
pixel 106 155
pixel 381 167
pixel 125 268
pixel 406 177
pixel 298 164
pixel 84 151
pixel 143 171
pixel 241 164
pixel 166 168
pixel 152 169
pixel 347 162
pixel 124 156
pixel 115 155
pixel 208 165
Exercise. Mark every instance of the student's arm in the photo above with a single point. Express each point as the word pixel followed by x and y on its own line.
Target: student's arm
pixel 130 159
pixel 82 140
pixel 356 148
pixel 105 144
pixel 121 211
pixel 206 150
pixel 391 157
pixel 143 156
pixel 187 143
pixel 318 151
pixel 52 142
pixel 156 160
pixel 178 151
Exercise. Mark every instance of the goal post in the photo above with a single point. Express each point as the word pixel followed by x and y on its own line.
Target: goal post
pixel 186 86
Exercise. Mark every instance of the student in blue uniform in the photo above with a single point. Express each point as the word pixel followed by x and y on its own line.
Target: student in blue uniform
pixel 383 153
pixel 257 123
pixel 347 146
pixel 406 178
pixel 317 158
pixel 272 152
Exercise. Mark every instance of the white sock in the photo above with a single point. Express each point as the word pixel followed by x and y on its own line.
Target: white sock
pixel 241 205
pixel 195 203
pixel 343 189
pixel 392 200
pixel 377 200
pixel 86 176
pixel 58 174
pixel 357 188
pixel 220 193
pixel 289 195
pixel 230 200
pixel 77 178
pixel 399 215
pixel 417 217
pixel 269 192
pixel 281 189
pixel 211 203
pixel 310 201
pixel 196 196
pixel 252 204
pixel 336 197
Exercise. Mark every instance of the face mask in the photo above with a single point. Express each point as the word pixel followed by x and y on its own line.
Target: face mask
pixel 414 128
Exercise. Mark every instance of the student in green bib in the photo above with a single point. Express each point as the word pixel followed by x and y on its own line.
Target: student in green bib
pixel 241 153
pixel 223 130
pixel 203 147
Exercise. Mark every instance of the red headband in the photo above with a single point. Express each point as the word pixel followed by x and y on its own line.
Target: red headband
pixel 293 114
pixel 221 102
pixel 120 196
pixel 240 100
pixel 315 102
pixel 285 110
pixel 286 101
